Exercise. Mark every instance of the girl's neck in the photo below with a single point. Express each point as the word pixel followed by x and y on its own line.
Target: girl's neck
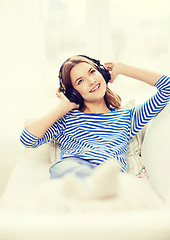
pixel 96 108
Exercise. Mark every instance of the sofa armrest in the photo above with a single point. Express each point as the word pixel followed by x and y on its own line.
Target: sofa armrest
pixel 29 173
pixel 6 168
pixel 10 151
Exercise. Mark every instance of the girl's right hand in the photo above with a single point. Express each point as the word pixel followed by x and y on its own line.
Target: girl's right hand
pixel 114 69
pixel 65 101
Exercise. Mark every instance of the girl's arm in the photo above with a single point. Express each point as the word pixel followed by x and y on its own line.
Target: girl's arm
pixel 39 127
pixel 142 114
pixel 143 75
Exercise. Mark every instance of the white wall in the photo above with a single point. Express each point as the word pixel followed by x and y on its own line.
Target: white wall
pixel 22 71
pixel 99 43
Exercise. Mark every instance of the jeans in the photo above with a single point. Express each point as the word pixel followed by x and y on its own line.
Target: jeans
pixel 77 166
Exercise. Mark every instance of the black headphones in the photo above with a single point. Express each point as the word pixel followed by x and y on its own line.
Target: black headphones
pixel 72 94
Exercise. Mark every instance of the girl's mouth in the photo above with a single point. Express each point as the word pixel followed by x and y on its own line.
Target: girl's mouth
pixel 95 88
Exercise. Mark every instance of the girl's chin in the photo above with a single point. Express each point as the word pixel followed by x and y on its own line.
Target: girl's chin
pixel 94 100
pixel 98 95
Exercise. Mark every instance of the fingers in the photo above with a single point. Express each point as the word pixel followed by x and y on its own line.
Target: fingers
pixel 113 69
pixel 66 101
pixel 109 65
pixel 59 93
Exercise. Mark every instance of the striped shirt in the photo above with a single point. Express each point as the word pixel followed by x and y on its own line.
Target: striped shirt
pixel 99 137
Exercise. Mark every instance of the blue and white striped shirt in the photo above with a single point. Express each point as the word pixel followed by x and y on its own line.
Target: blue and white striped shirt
pixel 99 137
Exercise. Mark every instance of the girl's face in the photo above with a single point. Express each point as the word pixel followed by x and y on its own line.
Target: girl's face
pixel 88 81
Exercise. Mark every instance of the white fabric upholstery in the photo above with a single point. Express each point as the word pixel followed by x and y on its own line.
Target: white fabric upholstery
pixel 156 152
pixel 31 173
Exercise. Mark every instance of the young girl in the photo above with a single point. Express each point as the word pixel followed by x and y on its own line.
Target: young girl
pixel 89 122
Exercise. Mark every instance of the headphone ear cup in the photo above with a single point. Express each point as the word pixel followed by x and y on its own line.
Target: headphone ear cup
pixel 61 87
pixel 105 72
pixel 74 96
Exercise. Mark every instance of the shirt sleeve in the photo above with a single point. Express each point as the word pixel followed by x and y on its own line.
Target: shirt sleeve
pixel 143 113
pixel 31 141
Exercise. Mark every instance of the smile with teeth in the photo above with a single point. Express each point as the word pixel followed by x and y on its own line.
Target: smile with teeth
pixel 95 88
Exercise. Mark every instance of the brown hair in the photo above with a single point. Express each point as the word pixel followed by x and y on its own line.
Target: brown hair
pixel 111 98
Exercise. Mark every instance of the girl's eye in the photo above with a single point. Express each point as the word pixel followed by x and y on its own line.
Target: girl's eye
pixel 80 81
pixel 92 71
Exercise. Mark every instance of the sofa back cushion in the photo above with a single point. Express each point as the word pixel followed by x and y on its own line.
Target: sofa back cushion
pixel 156 152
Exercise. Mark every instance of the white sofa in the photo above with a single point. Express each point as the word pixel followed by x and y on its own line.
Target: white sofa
pixel 31 172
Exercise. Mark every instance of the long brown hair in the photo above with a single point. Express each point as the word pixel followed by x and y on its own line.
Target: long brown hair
pixel 111 98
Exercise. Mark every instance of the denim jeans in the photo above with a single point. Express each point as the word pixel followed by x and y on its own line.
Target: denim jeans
pixel 77 166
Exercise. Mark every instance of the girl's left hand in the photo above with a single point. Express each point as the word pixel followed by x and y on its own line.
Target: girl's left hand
pixel 112 67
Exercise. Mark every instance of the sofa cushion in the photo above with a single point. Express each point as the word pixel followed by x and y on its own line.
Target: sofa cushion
pixel 156 151
pixel 135 162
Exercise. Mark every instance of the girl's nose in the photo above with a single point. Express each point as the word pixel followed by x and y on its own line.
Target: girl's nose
pixel 91 81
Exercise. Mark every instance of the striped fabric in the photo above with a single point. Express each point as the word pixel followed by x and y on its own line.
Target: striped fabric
pixel 99 137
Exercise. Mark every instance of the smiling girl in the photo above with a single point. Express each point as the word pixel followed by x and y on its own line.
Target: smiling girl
pixel 97 129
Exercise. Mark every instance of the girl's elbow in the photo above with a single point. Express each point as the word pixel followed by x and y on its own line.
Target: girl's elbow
pixel 28 144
